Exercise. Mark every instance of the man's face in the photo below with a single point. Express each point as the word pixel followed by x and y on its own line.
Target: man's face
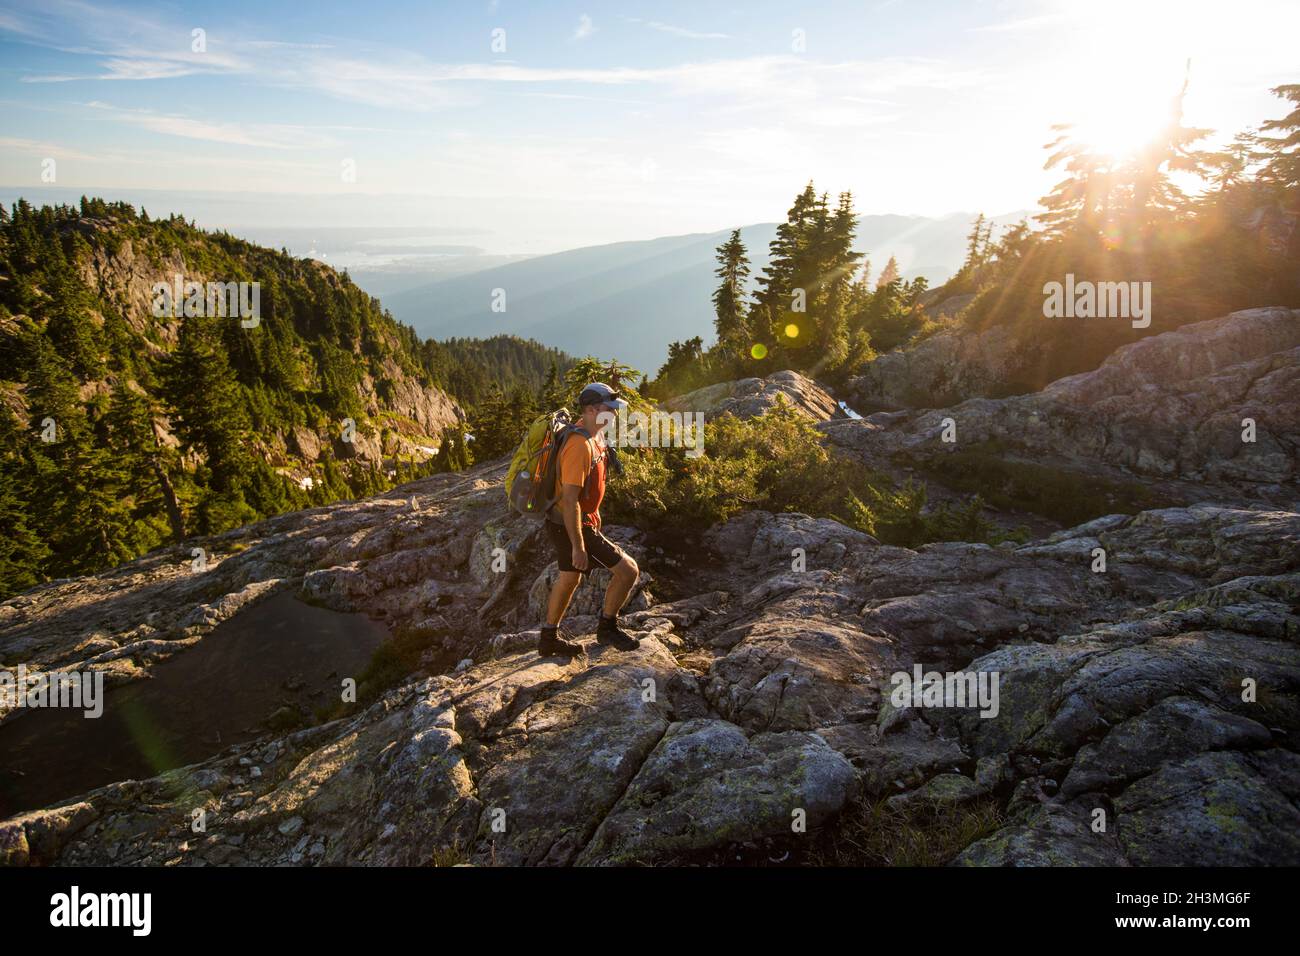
pixel 601 415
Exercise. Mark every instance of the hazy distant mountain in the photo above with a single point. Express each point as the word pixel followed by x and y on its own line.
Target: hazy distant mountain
pixel 628 300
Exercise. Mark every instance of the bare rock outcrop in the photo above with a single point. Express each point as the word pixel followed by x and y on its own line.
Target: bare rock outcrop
pixel 748 397
pixel 1155 691
pixel 1119 690
pixel 948 367
pixel 1198 411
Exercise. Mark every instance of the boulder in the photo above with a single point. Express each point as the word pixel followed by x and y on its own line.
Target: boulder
pixel 707 785
pixel 1177 406
pixel 750 397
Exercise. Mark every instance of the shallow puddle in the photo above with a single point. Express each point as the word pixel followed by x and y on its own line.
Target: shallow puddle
pixel 278 653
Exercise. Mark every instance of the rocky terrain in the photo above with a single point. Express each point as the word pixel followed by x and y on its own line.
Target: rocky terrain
pixel 949 367
pixel 1148 708
pixel 1172 411
pixel 747 397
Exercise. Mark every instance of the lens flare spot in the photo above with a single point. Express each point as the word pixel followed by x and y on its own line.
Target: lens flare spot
pixel 759 350
pixel 792 331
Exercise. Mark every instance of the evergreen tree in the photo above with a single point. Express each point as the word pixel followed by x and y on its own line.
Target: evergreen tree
pixel 1080 203
pixel 889 276
pixel 730 322
pixel 135 442
pixel 500 422
pixel 551 395
pixel 98 533
pixel 804 291
pixel 1282 169
pixel 975 247
pixel 453 450
pixel 23 548
pixel 1153 196
pixel 210 413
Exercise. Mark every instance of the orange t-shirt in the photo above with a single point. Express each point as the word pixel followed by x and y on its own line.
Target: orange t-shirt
pixel 582 462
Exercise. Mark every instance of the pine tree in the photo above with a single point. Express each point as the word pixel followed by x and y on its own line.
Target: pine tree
pixel 838 263
pixel 773 301
pixel 804 292
pixel 1153 196
pixel 976 248
pixel 501 420
pixel 551 395
pixel 135 441
pixel 730 322
pixel 1283 166
pixel 890 274
pixel 210 412
pixel 1080 203
pixel 23 548
pixel 98 533
pixel 453 450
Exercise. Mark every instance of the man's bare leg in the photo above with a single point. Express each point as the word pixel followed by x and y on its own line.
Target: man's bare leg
pixel 561 594
pixel 624 578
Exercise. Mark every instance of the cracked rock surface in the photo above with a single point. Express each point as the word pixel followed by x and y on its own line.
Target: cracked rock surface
pixel 1160 697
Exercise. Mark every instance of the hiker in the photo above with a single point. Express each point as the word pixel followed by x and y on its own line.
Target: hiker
pixel 573 526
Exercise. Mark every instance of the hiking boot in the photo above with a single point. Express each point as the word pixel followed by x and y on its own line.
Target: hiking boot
pixel 608 632
pixel 551 644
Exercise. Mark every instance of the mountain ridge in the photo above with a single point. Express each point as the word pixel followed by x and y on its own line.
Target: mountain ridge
pixel 631 299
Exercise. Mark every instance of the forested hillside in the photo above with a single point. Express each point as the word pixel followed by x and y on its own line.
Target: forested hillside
pixel 472 368
pixel 126 425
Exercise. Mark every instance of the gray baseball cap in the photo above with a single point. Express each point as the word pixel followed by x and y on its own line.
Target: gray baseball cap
pixel 598 393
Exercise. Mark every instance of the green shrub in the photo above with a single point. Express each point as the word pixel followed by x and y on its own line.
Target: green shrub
pixel 777 462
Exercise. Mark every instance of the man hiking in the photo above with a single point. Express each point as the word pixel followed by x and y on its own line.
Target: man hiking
pixel 573 525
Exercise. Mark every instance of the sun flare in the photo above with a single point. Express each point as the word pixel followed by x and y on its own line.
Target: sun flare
pixel 1120 131
pixel 1122 82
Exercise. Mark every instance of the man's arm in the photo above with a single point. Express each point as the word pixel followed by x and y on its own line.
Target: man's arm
pixel 572 515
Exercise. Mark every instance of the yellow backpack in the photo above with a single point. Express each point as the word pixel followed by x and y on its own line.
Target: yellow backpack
pixel 530 479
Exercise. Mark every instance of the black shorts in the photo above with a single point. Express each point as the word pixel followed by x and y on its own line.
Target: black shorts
pixel 600 550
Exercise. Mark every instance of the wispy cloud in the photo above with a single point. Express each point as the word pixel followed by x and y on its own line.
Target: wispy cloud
pixel 128 45
pixel 585 28
pixel 589 99
pixel 287 45
pixel 678 31
pixel 42 148
pixel 1019 24
pixel 10 22
pixel 132 47
pixel 265 136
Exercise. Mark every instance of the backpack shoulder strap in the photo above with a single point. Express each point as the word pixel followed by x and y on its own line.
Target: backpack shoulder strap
pixel 553 464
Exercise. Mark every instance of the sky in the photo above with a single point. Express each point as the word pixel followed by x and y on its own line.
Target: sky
pixel 534 127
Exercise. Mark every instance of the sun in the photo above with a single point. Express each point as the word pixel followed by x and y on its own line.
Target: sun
pixel 1122 72
pixel 1120 117
pixel 1117 132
